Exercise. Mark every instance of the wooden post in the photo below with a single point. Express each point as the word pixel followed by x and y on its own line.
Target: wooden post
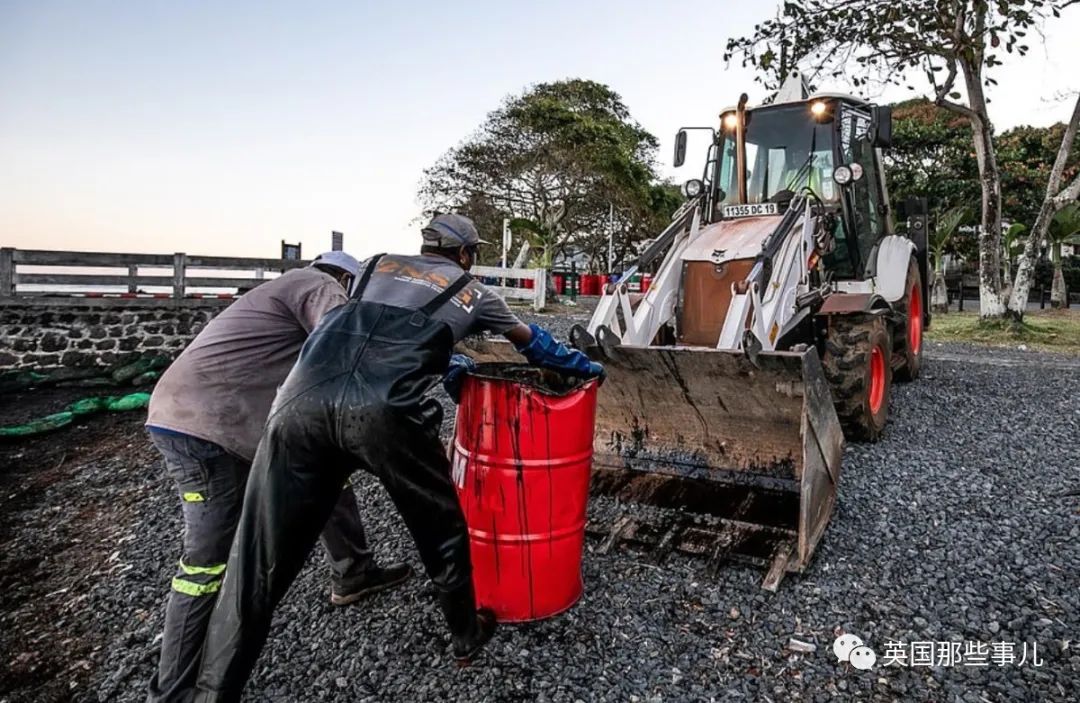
pixel 7 272
pixel 539 289
pixel 179 270
pixel 133 271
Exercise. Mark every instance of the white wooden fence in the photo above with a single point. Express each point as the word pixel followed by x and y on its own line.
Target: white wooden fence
pixel 177 278
pixel 537 293
pixel 123 279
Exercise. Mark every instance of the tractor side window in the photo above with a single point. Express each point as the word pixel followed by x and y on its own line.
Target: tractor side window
pixel 729 187
pixel 857 148
pixel 839 259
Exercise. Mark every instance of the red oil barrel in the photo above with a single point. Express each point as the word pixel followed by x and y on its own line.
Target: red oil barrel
pixel 595 283
pixel 560 283
pixel 521 461
pixel 646 282
pixel 530 283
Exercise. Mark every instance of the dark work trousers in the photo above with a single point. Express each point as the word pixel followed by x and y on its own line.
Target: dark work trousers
pixel 354 399
pixel 211 485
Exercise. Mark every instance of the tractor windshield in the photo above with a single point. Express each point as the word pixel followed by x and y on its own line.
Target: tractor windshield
pixel 788 148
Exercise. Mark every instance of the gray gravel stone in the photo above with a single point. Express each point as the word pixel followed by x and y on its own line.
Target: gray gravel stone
pixel 956 526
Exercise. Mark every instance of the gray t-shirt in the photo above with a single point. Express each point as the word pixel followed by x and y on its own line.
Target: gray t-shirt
pixel 221 387
pixel 412 281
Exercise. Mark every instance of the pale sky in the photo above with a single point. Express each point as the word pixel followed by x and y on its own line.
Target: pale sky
pixel 225 127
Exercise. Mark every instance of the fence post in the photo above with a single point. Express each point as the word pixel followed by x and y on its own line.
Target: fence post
pixel 133 271
pixel 539 289
pixel 179 271
pixel 7 272
pixel 960 305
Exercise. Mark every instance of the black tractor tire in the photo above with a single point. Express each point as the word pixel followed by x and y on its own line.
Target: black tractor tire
pixel 909 333
pixel 858 366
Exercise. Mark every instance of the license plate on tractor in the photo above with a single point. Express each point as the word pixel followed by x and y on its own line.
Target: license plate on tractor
pixel 750 210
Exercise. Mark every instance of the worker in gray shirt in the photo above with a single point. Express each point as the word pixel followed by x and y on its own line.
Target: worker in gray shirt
pixel 358 397
pixel 206 417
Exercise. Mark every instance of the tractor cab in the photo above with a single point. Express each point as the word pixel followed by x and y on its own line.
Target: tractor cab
pixel 825 146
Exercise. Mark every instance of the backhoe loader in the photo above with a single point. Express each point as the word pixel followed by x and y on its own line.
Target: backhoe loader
pixel 783 305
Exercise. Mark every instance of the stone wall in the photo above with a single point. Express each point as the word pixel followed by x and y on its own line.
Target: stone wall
pixel 43 337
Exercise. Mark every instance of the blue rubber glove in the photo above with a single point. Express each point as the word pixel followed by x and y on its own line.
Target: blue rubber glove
pixel 542 350
pixel 460 365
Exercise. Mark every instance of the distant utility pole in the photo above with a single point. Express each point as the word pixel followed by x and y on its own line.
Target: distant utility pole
pixel 505 240
pixel 611 238
pixel 337 241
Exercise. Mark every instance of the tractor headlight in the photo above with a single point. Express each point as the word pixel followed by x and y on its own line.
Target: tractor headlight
pixel 856 172
pixel 731 121
pixel 693 188
pixel 818 109
pixel 842 175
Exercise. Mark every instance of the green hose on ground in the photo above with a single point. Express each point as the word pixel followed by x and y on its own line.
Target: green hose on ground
pixel 80 408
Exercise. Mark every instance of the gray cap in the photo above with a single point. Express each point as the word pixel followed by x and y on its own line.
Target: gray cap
pixel 450 231
pixel 339 259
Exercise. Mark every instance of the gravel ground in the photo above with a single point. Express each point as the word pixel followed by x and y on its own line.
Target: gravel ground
pixel 961 525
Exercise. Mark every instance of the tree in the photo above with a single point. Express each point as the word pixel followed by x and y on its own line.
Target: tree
pixel 1063 229
pixel 1027 158
pixel 931 156
pixel 1055 200
pixel 1013 245
pixel 556 160
pixel 946 227
pixel 952 43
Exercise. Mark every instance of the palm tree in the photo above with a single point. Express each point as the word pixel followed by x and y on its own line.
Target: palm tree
pixel 1063 229
pixel 946 227
pixel 1013 244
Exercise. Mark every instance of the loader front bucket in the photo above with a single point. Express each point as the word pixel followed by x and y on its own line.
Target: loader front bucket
pixel 748 452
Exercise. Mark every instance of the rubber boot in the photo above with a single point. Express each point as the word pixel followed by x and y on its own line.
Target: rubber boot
pixel 470 629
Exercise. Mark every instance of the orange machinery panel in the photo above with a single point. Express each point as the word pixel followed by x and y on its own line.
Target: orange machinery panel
pixel 706 298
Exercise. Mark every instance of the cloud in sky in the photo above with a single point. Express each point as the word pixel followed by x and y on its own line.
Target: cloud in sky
pixel 223 128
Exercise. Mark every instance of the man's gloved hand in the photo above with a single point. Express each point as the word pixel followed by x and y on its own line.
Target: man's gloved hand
pixel 455 375
pixel 542 350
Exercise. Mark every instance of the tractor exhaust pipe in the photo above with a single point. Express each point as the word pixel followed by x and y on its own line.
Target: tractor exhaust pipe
pixel 740 146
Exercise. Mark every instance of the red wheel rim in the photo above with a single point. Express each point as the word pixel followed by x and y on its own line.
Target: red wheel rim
pixel 914 328
pixel 877 379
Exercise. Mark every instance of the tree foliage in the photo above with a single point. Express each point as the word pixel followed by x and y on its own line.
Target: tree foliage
pixel 945 229
pixel 1065 227
pixel 1060 195
pixel 931 156
pixel 872 42
pixel 1027 157
pixel 556 160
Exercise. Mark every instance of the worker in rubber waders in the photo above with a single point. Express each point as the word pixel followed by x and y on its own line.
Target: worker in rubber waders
pixel 206 417
pixel 357 398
